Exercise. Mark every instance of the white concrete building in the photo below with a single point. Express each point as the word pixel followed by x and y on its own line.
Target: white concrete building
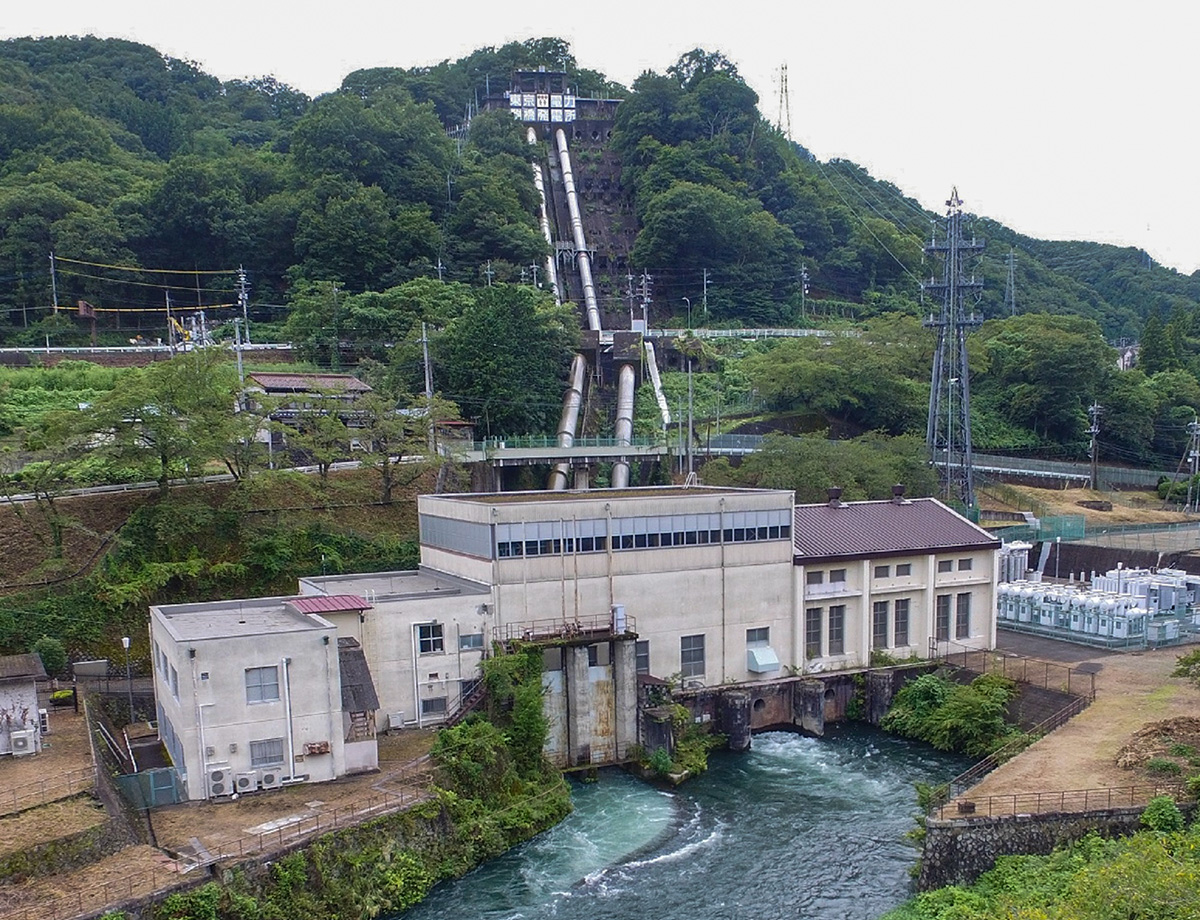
pixel 711 586
pixel 248 694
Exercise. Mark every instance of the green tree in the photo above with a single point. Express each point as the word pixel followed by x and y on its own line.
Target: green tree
pixel 504 358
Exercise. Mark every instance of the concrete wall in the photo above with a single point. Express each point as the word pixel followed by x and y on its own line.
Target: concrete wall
pixel 18 711
pixel 591 709
pixel 958 851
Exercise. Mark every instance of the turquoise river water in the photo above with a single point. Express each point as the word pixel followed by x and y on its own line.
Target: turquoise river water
pixel 798 827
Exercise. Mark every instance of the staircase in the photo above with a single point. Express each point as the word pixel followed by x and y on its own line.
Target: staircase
pixel 469 702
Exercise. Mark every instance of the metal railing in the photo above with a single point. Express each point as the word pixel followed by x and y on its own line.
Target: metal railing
pixel 1049 675
pixel 1072 801
pixel 576 628
pixel 31 795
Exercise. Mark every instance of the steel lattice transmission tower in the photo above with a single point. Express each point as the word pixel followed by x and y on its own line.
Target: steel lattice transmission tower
pixel 948 434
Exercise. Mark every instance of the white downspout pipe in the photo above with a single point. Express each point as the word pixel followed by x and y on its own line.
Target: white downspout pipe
pixel 287 711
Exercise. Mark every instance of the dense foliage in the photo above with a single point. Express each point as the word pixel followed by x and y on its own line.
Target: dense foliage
pixel 964 718
pixel 1150 875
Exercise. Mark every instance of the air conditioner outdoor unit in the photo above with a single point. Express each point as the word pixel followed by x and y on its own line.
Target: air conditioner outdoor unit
pixel 271 779
pixel 396 720
pixel 220 781
pixel 246 782
pixel 23 742
pixel 44 721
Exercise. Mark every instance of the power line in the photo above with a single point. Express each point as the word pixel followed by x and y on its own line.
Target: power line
pixel 154 271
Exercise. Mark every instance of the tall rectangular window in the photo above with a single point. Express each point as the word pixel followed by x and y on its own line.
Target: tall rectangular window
pixel 691 656
pixel 262 684
pixel 900 623
pixel 430 638
pixel 942 618
pixel 837 629
pixel 812 632
pixel 962 617
pixel 879 625
pixel 266 753
pixel 641 656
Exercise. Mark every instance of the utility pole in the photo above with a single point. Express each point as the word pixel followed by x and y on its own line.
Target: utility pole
pixel 1010 286
pixel 170 327
pixel 533 268
pixel 53 284
pixel 951 445
pixel 803 289
pixel 1094 411
pixel 440 268
pixel 647 286
pixel 705 270
pixel 488 271
pixel 243 292
pixel 428 385
pixel 691 469
pixel 1194 455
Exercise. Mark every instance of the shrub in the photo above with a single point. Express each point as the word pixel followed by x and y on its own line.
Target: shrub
pixel 660 762
pixel 1162 815
pixel 1181 750
pixel 53 655
pixel 1160 766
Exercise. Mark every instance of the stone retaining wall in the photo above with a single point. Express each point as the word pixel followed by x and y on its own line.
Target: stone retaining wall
pixel 957 851
pixel 65 854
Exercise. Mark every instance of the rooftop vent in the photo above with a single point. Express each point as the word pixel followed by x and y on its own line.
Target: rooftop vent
pixel 898 493
pixel 835 497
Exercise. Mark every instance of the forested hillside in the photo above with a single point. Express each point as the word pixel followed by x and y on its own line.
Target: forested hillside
pixel 394 200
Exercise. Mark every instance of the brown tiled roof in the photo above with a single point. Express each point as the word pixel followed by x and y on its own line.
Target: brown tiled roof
pixel 329 603
pixel 310 383
pixel 883 528
pixel 16 666
pixel 358 690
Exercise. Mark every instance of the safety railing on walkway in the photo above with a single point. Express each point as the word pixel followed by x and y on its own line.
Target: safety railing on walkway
pixel 1069 801
pixel 1049 675
pixel 51 789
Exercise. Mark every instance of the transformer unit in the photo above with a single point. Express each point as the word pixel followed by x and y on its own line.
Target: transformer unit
pixel 245 782
pixel 24 742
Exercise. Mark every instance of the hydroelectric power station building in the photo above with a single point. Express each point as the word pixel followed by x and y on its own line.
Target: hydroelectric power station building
pixel 710 587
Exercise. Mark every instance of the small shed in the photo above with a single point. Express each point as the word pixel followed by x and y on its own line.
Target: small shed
pixel 20 725
pixel 359 704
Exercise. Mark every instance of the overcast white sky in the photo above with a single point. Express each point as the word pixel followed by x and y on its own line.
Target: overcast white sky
pixel 1062 119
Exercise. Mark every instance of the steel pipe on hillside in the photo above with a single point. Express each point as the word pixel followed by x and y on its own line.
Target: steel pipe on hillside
pixel 625 382
pixel 582 258
pixel 569 422
pixel 539 182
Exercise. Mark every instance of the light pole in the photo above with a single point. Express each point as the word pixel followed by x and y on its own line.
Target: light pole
pixel 688 301
pixel 1057 555
pixel 128 677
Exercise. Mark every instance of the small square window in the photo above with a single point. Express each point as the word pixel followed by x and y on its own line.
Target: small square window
pixel 814 578
pixel 470 641
pixel 262 684
pixel 964 565
pixel 904 568
pixel 837 575
pixel 883 571
pixel 430 638
pixel 758 637
pixel 945 565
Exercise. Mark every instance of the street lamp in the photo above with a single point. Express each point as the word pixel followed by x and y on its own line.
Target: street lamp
pixel 688 301
pixel 128 677
pixel 1057 555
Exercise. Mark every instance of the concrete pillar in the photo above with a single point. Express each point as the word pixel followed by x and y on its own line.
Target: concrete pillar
pixel 808 706
pixel 657 730
pixel 624 668
pixel 579 706
pixel 879 693
pixel 733 714
pixel 581 478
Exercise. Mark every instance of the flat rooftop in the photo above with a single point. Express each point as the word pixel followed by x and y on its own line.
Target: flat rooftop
pixel 232 619
pixel 597 495
pixel 413 584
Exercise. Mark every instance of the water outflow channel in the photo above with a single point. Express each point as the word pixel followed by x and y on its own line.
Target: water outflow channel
pixel 799 827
